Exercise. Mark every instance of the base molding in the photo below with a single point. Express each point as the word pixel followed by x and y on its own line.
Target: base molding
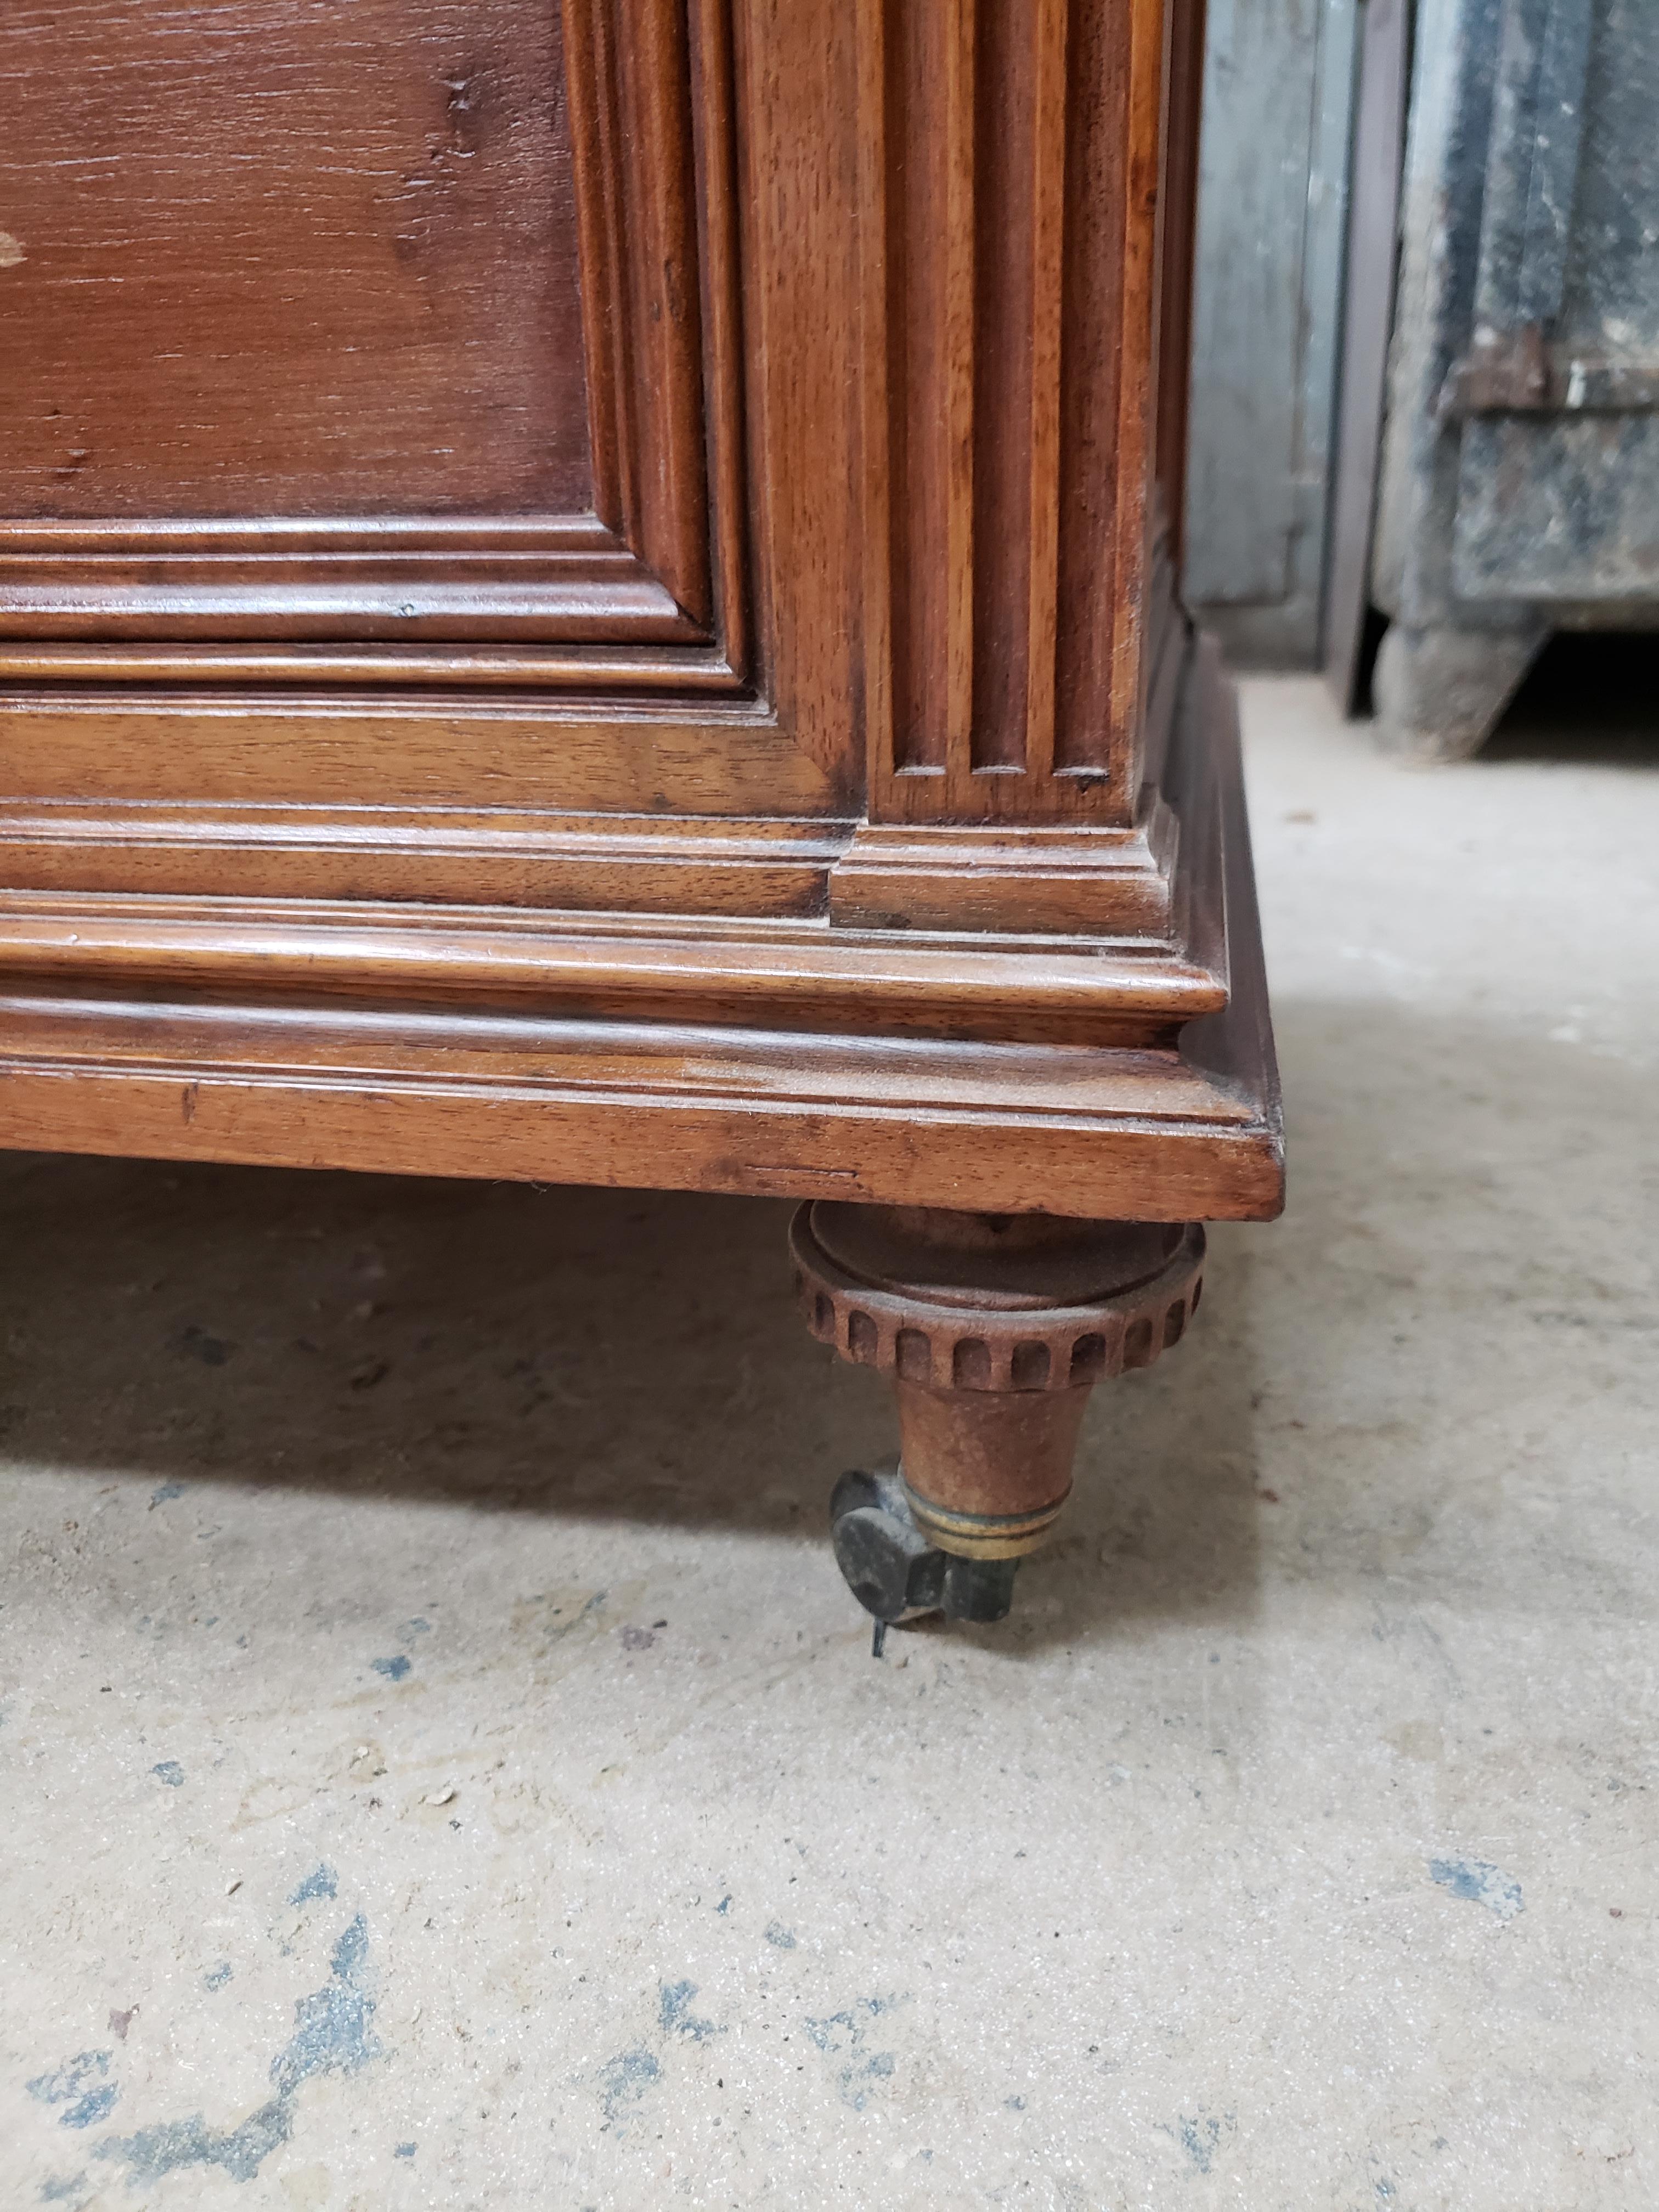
pixel 1071 882
pixel 1111 1079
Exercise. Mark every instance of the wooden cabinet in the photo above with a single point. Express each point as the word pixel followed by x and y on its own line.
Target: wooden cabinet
pixel 584 595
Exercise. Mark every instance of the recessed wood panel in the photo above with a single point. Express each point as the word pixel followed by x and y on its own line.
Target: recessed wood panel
pixel 288 258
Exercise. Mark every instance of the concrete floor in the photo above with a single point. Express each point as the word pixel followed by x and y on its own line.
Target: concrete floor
pixel 443 1767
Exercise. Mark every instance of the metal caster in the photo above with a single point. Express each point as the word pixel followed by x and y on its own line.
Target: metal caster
pixel 893 1571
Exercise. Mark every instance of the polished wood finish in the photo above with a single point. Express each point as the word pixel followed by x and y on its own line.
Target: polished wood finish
pixel 995 1327
pixel 128 1027
pixel 768 753
pixel 318 344
pixel 275 261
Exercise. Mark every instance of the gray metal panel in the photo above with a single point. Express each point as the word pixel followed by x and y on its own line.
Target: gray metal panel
pixel 1368 313
pixel 1532 166
pixel 1559 508
pixel 1277 100
pixel 1558 486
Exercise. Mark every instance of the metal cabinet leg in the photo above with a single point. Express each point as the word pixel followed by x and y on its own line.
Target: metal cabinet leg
pixel 1439 692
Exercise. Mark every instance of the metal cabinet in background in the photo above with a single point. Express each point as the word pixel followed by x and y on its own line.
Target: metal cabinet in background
pixel 1518 490
pixel 1273 169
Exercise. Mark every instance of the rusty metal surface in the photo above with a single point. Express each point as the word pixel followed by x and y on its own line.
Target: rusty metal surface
pixel 1516 373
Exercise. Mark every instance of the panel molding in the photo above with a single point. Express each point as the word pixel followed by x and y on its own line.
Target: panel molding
pixel 734 866
pixel 569 579
pixel 649 588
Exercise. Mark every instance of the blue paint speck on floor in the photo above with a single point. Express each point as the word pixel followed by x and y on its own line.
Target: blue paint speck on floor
pixel 242 2151
pixel 1480 1883
pixel 725 1906
pixel 1201 2139
pixel 59 2191
pixel 171 1773
pixel 167 1489
pixel 81 2087
pixel 216 1976
pixel 394 1669
pixel 779 1937
pixel 322 1881
pixel 674 2011
pixel 403 2150
pixel 626 2079
pixel 842 2037
pixel 97 2104
pixel 332 2034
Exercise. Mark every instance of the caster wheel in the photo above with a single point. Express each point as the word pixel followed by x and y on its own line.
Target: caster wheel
pixel 892 1569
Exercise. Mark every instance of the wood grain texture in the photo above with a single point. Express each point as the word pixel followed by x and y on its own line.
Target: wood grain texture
pixel 1178 231
pixel 283 259
pixel 631 97
pixel 572 584
pixel 611 863
pixel 710 1110
pixel 322 357
pixel 519 750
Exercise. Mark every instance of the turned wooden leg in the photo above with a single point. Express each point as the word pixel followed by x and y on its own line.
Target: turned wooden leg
pixel 995 1328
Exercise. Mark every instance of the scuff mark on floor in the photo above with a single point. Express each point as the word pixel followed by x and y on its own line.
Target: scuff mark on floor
pixel 198 1343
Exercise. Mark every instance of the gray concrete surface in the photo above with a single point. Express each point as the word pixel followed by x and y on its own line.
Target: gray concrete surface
pixel 441 1766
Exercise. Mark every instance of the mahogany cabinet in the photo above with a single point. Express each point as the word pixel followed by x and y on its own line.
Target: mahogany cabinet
pixel 585 594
